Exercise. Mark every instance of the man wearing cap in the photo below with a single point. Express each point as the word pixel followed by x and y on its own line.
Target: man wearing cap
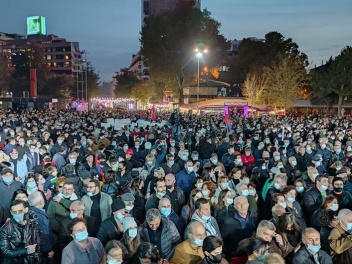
pixel 138 212
pixel 317 160
pixel 18 166
pixel 97 204
pixel 8 186
pixel 112 227
pixel 130 163
pixel 46 160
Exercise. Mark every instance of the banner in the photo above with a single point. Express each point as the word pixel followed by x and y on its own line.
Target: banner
pixel 33 82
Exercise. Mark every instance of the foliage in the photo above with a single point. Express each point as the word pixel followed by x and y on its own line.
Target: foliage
pixel 336 79
pixel 93 84
pixel 143 92
pixel 125 81
pixel 168 42
pixel 255 55
pixel 285 79
pixel 253 87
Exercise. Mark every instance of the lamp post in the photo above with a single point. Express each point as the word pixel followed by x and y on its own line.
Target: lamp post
pixel 199 54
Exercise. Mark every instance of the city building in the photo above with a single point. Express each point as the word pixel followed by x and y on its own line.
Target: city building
pixel 61 56
pixel 235 44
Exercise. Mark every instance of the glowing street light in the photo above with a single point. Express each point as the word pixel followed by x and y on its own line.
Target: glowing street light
pixel 199 54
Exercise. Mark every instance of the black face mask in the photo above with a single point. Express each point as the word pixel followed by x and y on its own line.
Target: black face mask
pixel 338 190
pixel 169 186
pixel 216 259
pixel 236 181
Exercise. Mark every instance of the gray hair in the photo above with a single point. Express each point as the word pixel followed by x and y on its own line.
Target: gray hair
pixel 238 197
pixel 152 214
pixel 238 186
pixel 35 198
pixel 282 177
pixel 266 224
pixel 343 214
pixel 189 228
pixel 79 204
pixel 310 230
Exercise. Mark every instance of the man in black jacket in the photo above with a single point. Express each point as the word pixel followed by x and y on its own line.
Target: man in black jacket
pixel 311 253
pixel 344 197
pixel 13 243
pixel 315 196
pixel 47 237
pixel 238 225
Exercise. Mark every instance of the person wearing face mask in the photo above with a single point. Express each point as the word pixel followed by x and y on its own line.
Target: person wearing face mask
pixel 32 158
pixel 190 251
pixel 258 250
pixel 186 178
pixel 131 238
pixel 167 211
pixel 337 154
pixel 83 249
pixel 242 189
pixel 280 182
pixel 214 161
pixel 228 159
pixel 324 152
pixel 212 249
pixel 202 215
pixel 160 191
pixel 123 177
pixel 18 166
pixel 224 207
pixel 176 194
pixel 8 186
pixel 109 186
pixel 170 166
pixel 112 227
pixel 317 161
pixel 310 251
pixel 47 238
pixel 115 253
pixel 340 238
pixel 16 248
pixel 344 197
pixel 161 232
pixel 248 158
pixel 315 196
pixel 97 204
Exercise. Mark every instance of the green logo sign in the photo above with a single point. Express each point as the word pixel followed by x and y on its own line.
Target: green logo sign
pixel 36 25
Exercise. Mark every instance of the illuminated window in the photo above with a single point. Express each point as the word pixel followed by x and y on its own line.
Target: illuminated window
pixel 66 57
pixel 54 64
pixel 48 57
pixel 49 64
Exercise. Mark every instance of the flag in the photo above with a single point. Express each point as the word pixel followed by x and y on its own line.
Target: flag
pixel 227 118
pixel 152 114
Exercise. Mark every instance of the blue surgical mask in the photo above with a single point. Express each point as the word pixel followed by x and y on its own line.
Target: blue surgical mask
pixel 205 217
pixel 261 258
pixel 277 186
pixel 18 217
pixel 198 242
pixel 73 215
pixel 7 180
pixel 184 158
pixel 31 184
pixel 72 161
pixel 81 236
pixel 313 248
pixel 161 194
pixel 205 192
pixel 165 211
pixel 225 185
pixel 229 201
pixel 119 216
pixel 349 227
pixel 112 261
pixel 171 162
pixel 43 181
pixel 132 233
pixel 89 194
pixel 300 189
pixel 245 192
pixel 149 163
pixel 66 196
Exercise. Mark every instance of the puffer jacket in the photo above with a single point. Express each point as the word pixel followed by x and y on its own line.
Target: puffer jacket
pixel 170 237
pixel 13 248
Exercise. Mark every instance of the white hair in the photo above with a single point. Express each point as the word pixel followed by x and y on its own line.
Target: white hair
pixel 35 198
pixel 343 214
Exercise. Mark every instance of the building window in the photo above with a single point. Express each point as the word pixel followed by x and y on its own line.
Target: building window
pixel 54 64
pixel 49 64
pixel 67 57
pixel 48 57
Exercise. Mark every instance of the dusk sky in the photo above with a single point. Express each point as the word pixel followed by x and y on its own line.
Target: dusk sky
pixel 109 29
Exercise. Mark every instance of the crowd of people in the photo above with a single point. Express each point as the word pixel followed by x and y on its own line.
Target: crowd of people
pixel 266 189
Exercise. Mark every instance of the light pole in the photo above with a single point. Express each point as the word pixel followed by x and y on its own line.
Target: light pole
pixel 199 54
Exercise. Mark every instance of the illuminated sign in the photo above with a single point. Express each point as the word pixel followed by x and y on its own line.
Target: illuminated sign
pixel 36 25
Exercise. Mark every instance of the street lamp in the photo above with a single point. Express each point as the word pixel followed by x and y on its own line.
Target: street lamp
pixel 199 54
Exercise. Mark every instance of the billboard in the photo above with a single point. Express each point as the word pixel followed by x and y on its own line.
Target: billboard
pixel 36 25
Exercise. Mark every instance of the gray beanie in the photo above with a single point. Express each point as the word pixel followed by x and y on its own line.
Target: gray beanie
pixel 127 223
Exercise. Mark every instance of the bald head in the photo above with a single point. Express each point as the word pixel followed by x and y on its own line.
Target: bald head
pixel 277 210
pixel 170 181
pixel 195 231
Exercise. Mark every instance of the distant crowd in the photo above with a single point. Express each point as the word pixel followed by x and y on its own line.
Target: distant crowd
pixel 182 189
